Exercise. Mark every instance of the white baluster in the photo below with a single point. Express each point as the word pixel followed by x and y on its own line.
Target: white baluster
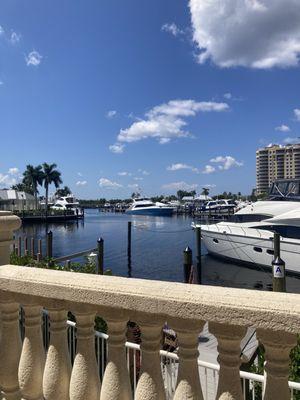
pixel 10 351
pixel 188 381
pixel 278 346
pixel 229 339
pixel 85 382
pixel 57 371
pixel 116 382
pixel 32 362
pixel 150 385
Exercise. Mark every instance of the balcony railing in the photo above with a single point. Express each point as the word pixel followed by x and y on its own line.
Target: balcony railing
pixel 67 368
pixel 28 372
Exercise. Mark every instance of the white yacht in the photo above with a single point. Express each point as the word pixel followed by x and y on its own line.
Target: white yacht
pixel 144 206
pixel 222 205
pixel 66 203
pixel 247 236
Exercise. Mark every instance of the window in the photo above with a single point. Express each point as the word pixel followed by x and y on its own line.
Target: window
pixel 257 249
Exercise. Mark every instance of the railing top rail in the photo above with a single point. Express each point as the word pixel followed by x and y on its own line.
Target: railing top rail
pixel 267 310
pixel 74 255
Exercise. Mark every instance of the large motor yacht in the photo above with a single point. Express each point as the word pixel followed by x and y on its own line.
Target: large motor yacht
pixel 144 206
pixel 66 203
pixel 247 236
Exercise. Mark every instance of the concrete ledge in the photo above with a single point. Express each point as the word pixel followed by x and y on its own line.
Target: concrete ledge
pixel 74 291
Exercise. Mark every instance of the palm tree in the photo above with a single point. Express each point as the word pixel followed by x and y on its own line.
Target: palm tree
pixel 33 176
pixel 63 191
pixel 205 191
pixel 50 175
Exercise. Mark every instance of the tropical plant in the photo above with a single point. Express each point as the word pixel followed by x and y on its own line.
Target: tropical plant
pixel 22 187
pixel 205 191
pixel 65 191
pixel 51 175
pixel 33 176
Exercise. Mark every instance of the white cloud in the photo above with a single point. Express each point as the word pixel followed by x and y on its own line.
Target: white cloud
pixel 81 183
pixel 7 180
pixel 133 186
pixel 124 173
pixel 227 96
pixel 143 172
pixel 290 140
pixel 111 113
pixel 209 169
pixel 137 178
pixel 282 128
pixel 79 174
pixel 297 113
pixel 33 58
pixel 172 29
pixel 1 83
pixel 13 171
pixel 15 37
pixel 249 33
pixel 117 148
pixel 180 166
pixel 180 186
pixel 108 184
pixel 1 31
pixel 166 121
pixel 226 162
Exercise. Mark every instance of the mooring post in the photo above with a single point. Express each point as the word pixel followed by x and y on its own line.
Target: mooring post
pixel 187 263
pixel 19 246
pixel 49 244
pixel 68 265
pixel 278 265
pixel 40 248
pixel 25 246
pixel 129 240
pixel 100 256
pixel 32 247
pixel 198 255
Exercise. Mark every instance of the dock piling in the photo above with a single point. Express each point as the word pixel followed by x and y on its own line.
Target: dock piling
pixel 49 244
pixel 25 246
pixel 198 255
pixel 129 239
pixel 187 263
pixel 278 266
pixel 100 256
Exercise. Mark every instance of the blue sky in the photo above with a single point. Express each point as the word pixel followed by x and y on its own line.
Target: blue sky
pixel 157 94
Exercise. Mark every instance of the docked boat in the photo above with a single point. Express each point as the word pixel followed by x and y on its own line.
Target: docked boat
pixel 66 203
pixel 221 205
pixel 247 236
pixel 144 206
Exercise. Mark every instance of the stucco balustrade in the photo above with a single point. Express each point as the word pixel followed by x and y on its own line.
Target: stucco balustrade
pixel 29 372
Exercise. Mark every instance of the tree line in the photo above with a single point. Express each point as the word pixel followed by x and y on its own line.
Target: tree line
pixel 41 176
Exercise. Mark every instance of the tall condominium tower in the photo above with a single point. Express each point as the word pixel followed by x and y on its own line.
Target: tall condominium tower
pixel 276 162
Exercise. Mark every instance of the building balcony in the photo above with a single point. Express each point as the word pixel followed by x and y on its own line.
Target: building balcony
pixel 56 365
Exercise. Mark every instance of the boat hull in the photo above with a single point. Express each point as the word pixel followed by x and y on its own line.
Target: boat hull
pixel 252 250
pixel 157 212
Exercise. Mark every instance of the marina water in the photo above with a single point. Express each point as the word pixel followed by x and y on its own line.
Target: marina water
pixel 157 246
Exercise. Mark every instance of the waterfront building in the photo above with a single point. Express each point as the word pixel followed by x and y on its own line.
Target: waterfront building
pixel 276 162
pixel 14 200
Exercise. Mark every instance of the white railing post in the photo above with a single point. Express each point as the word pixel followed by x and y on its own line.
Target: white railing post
pixel 85 382
pixel 116 382
pixel 278 346
pixel 188 382
pixel 10 350
pixel 32 361
pixel 150 385
pixel 229 338
pixel 57 371
pixel 8 224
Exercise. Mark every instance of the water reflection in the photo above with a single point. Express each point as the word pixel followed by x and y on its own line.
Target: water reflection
pixel 157 246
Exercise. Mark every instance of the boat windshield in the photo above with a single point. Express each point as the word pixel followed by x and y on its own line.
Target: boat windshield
pixel 292 232
pixel 285 190
pixel 248 217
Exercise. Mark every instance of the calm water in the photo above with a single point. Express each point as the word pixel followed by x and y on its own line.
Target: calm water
pixel 157 246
